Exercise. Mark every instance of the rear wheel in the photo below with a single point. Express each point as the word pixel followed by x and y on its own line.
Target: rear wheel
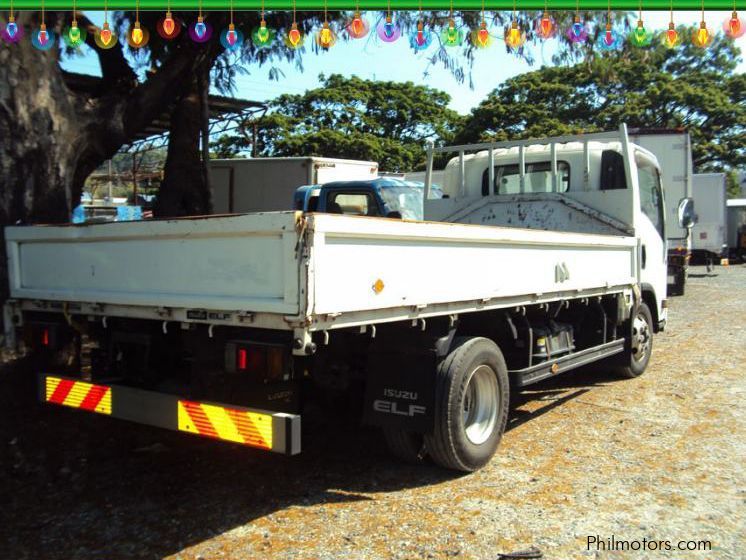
pixel 471 405
pixel 639 345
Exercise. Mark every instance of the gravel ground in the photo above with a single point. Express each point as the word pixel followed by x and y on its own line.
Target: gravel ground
pixel 660 457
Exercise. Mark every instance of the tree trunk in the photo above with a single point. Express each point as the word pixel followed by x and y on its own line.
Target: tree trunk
pixel 185 190
pixel 52 138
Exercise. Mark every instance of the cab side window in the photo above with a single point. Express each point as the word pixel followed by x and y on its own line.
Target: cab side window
pixel 612 171
pixel 651 196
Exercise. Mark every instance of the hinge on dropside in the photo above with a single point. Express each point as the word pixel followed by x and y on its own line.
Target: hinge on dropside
pixel 245 317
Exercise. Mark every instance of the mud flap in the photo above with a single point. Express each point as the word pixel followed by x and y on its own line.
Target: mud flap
pixel 400 390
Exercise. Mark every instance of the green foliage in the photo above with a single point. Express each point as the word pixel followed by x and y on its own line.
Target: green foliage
pixel 688 87
pixel 733 186
pixel 386 122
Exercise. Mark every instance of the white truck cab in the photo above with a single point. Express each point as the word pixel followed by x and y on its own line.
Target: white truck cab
pixel 594 183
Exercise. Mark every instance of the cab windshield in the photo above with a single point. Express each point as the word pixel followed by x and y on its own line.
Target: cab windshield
pixel 407 199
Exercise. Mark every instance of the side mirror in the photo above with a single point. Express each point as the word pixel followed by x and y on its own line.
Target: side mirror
pixel 687 217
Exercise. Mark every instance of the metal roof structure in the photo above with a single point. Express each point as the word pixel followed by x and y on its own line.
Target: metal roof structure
pixel 226 113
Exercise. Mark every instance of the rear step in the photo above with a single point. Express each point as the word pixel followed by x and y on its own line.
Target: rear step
pixel 273 431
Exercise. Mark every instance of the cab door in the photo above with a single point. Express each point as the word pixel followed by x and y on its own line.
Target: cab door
pixel 651 229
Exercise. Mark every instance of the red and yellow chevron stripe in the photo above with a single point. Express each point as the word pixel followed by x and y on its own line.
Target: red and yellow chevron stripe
pixel 78 394
pixel 240 426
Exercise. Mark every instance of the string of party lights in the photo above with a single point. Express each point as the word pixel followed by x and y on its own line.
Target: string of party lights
pixel 357 26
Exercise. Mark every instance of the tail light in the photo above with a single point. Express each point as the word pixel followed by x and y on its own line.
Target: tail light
pixel 261 362
pixel 46 336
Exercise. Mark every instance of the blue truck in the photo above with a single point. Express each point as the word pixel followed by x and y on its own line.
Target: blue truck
pixel 383 197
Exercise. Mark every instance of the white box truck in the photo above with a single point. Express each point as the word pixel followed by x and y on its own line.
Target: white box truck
pixel 709 241
pixel 268 184
pixel 736 235
pixel 672 148
pixel 219 326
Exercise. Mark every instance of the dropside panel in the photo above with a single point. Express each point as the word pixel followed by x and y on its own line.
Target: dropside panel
pixel 226 263
pixel 365 263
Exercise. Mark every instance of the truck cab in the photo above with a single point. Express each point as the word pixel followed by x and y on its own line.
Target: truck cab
pixel 599 183
pixel 382 198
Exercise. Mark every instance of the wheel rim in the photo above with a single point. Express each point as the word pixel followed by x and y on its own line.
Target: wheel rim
pixel 480 405
pixel 641 338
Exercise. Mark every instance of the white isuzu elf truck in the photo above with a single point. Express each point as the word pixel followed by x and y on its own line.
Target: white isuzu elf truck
pixel 541 256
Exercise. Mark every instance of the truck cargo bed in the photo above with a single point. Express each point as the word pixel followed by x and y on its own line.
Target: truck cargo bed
pixel 285 270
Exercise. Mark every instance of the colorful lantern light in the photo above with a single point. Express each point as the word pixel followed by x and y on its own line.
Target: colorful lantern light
pixel 167 26
pixel 11 33
pixel 200 31
pixel 421 38
pixel 357 28
pixel 104 37
pixel 733 27
pixel 639 36
pixel 545 27
pixel 451 35
pixel 387 30
pixel 294 38
pixel 12 28
pixel 515 37
pixel 609 40
pixel 702 37
pixel 670 37
pixel 262 36
pixel 578 31
pixel 326 38
pixel 42 38
pixel 481 38
pixel 231 38
pixel 74 36
pixel 137 37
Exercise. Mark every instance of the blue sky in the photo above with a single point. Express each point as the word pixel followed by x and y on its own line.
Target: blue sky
pixel 396 62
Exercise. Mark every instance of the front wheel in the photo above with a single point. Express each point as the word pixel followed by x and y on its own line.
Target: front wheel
pixel 471 405
pixel 639 345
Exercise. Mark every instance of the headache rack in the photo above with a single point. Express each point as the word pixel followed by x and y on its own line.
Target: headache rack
pixel 612 136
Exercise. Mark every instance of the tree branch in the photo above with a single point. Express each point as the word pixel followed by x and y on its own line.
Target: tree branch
pixel 115 69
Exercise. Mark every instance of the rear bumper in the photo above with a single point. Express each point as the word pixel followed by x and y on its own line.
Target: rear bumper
pixel 272 431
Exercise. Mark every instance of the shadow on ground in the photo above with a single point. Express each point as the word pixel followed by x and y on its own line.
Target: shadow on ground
pixel 76 485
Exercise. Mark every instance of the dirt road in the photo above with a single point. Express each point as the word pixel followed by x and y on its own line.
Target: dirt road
pixel 661 458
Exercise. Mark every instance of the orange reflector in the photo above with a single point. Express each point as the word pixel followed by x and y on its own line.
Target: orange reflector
pixel 78 394
pixel 229 424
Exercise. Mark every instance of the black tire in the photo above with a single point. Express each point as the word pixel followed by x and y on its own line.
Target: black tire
pixel 405 446
pixel 679 285
pixel 471 384
pixel 639 345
